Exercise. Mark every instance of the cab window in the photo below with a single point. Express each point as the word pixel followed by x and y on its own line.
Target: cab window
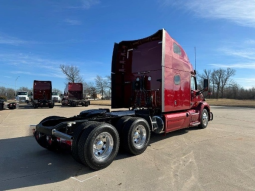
pixel 177 49
pixel 177 80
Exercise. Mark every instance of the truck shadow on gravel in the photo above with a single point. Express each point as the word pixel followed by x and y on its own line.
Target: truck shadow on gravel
pixel 23 163
pixel 23 107
pixel 29 106
pixel 160 137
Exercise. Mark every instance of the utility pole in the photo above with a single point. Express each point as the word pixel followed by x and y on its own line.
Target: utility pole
pixel 15 86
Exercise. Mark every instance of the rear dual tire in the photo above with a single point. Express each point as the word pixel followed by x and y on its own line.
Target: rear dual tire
pixel 98 145
pixel 135 134
pixel 51 105
pixel 76 136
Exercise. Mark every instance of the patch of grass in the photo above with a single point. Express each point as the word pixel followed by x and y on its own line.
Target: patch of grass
pixel 100 102
pixel 215 102
pixel 231 102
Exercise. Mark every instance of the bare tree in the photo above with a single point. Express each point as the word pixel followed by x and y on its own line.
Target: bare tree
pixel 226 78
pixel 2 91
pixel 24 89
pixel 232 91
pixel 57 90
pixel 10 93
pixel 101 85
pixel 216 78
pixel 220 79
pixel 72 73
pixel 91 90
pixel 109 82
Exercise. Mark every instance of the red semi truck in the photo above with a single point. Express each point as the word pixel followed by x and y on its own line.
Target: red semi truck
pixel 155 80
pixel 73 95
pixel 41 96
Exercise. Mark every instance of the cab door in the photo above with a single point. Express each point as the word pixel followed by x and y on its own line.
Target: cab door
pixel 195 96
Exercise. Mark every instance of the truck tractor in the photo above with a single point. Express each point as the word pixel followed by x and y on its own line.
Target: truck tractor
pixel 153 79
pixel 56 97
pixel 73 95
pixel 41 96
pixel 22 97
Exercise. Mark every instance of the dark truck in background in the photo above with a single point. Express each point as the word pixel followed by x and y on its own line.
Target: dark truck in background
pixel 4 104
pixel 42 94
pixel 153 78
pixel 73 95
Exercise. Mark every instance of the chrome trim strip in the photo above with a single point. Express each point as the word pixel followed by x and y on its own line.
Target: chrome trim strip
pixel 163 70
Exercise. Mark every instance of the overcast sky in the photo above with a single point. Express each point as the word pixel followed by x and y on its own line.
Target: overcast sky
pixel 37 36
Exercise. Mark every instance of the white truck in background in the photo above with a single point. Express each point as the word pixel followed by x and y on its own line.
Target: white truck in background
pixel 22 97
pixel 56 97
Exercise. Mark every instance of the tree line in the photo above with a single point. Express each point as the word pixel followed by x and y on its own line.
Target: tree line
pixel 101 85
pixel 221 85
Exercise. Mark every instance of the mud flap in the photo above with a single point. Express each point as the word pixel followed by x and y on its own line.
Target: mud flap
pixel 211 116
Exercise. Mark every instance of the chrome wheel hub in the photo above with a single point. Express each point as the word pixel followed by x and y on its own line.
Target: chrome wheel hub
pixel 103 146
pixel 205 119
pixel 99 145
pixel 139 136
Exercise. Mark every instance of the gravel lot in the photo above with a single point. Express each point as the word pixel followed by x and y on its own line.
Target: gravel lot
pixel 220 157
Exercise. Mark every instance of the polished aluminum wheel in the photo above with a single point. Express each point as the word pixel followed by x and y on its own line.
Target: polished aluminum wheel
pixel 103 146
pixel 205 119
pixel 139 136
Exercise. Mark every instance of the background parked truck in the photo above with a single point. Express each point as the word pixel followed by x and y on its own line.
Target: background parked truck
pixel 155 80
pixel 56 97
pixel 22 96
pixel 4 104
pixel 73 95
pixel 41 96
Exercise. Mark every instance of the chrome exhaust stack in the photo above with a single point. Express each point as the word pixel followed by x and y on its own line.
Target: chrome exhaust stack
pixel 59 134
